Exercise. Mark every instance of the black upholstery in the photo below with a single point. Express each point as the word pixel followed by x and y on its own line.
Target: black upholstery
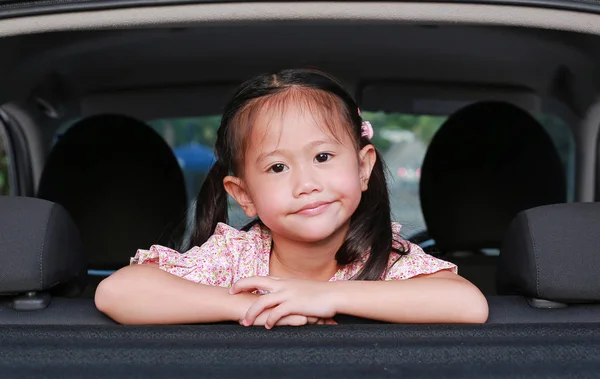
pixel 121 183
pixel 553 253
pixel 488 161
pixel 40 248
pixel 60 311
pixel 318 351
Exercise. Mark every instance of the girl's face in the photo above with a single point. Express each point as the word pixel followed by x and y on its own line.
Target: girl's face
pixel 302 181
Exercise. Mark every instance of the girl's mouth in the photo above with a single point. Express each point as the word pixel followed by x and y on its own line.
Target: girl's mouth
pixel 314 209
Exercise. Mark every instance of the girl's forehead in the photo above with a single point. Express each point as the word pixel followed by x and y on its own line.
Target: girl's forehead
pixel 297 123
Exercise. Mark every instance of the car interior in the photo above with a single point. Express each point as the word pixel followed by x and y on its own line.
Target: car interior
pixel 488 119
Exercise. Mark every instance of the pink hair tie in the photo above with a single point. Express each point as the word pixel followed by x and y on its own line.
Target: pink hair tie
pixel 367 130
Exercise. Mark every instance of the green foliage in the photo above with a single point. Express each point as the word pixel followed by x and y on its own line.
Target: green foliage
pixel 423 127
pixel 182 131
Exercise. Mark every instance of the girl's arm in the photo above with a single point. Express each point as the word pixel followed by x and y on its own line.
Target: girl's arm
pixel 162 286
pixel 442 297
pixel 145 294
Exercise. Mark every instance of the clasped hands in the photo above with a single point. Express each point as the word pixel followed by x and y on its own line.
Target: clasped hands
pixel 286 301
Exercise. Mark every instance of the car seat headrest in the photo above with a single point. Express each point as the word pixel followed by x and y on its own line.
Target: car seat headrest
pixel 486 163
pixel 122 185
pixel 552 253
pixel 41 248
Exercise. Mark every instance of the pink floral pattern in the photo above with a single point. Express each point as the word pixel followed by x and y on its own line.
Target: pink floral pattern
pixel 231 254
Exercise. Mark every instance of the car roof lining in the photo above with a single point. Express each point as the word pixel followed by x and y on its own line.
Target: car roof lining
pixel 204 13
pixel 202 43
pixel 94 63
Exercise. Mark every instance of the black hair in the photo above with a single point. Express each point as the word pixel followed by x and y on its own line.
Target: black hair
pixel 370 226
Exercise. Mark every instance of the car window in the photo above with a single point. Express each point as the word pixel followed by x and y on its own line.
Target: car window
pixel 402 139
pixel 563 139
pixel 192 141
pixel 5 174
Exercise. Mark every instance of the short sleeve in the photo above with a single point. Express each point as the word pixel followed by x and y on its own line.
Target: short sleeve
pixel 212 264
pixel 416 262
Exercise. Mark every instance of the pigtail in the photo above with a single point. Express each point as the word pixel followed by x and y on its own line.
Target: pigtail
pixel 211 204
pixel 370 228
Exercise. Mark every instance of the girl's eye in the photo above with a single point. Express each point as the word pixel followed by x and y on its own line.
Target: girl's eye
pixel 323 157
pixel 277 168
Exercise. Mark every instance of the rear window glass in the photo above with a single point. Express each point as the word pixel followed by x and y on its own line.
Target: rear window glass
pixel 402 139
pixel 192 141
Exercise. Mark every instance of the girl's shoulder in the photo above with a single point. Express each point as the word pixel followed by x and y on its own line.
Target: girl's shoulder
pixel 232 241
pixel 226 237
pixel 218 261
pixel 413 261
pixel 410 262
pixel 256 233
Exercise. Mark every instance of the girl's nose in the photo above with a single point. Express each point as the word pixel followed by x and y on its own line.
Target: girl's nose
pixel 305 181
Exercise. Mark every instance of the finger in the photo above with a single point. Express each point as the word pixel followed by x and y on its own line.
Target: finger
pixel 313 320
pixel 252 283
pixel 260 305
pixel 325 321
pixel 276 314
pixel 292 320
pixel 260 320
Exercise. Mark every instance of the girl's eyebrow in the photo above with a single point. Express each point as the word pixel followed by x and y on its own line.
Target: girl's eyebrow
pixel 283 151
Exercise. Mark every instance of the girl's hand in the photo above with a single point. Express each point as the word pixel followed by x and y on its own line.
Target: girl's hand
pixel 291 320
pixel 286 297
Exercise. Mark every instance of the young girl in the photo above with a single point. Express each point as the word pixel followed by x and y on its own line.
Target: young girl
pixel 294 153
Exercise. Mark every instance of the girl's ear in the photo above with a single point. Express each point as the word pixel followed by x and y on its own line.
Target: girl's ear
pixel 366 161
pixel 235 188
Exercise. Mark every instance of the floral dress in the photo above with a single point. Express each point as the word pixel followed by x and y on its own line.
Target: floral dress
pixel 230 255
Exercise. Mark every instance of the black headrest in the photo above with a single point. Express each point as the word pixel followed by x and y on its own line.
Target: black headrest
pixel 552 253
pixel 41 249
pixel 122 185
pixel 486 163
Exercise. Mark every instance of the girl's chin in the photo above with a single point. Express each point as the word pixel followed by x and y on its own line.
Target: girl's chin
pixel 315 234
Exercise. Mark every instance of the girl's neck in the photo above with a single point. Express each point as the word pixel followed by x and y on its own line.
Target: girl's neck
pixel 314 261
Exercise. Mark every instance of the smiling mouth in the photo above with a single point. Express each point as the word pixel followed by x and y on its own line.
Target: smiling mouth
pixel 314 209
